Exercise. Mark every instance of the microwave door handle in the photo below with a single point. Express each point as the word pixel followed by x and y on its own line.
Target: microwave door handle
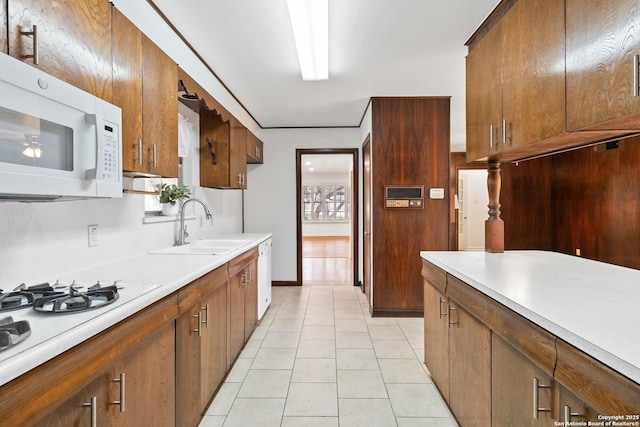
pixel 97 171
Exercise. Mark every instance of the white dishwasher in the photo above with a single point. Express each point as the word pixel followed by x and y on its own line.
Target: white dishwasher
pixel 264 277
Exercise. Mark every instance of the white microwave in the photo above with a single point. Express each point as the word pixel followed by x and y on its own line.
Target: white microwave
pixel 57 142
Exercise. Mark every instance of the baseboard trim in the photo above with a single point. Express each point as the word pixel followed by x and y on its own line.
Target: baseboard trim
pixel 284 283
pixel 396 313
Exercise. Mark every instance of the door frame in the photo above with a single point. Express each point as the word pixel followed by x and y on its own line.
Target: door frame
pixel 354 206
pixel 367 259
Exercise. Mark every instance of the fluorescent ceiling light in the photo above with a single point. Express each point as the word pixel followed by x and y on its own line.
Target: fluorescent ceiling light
pixel 310 23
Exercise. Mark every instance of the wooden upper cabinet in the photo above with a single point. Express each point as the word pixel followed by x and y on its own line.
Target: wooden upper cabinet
pixel 484 95
pixel 127 88
pixel 603 38
pixel 515 80
pixel 223 152
pixel 145 86
pixel 214 150
pixel 255 149
pixel 533 74
pixel 159 110
pixel 74 40
pixel 238 157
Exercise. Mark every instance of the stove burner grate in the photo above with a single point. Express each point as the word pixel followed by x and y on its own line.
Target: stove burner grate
pixel 24 296
pixel 75 300
pixel 12 333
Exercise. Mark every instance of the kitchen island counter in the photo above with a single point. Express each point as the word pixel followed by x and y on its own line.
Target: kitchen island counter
pixel 591 305
pixel 145 279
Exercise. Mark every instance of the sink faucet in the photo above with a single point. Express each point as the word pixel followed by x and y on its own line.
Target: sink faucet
pixel 182 233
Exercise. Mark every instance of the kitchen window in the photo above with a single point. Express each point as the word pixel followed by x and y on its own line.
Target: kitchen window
pixel 325 203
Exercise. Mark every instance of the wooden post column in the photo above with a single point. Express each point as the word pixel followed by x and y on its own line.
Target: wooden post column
pixel 494 226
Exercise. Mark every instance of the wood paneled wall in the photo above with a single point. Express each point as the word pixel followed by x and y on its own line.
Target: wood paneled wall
pixel 410 146
pixel 583 199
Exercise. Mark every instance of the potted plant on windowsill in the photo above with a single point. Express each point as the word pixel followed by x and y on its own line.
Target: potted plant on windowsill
pixel 170 194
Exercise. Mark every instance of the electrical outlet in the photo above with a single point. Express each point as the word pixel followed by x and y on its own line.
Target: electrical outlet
pixel 93 235
pixel 578 252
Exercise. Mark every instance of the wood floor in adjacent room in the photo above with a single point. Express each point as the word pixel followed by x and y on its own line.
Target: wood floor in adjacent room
pixel 326 260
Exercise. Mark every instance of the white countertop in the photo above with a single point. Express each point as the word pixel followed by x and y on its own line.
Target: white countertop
pixel 146 278
pixel 592 305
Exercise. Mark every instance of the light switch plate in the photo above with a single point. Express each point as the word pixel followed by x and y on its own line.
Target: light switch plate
pixel 93 235
pixel 436 193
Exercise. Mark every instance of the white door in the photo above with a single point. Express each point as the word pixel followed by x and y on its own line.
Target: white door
pixel 473 209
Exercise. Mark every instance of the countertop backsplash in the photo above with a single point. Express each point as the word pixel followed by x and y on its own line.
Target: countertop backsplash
pixel 41 240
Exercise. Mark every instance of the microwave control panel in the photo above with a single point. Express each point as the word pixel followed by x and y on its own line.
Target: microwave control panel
pixel 110 158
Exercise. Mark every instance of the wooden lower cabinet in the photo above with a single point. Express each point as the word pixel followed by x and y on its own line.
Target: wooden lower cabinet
pixel 201 345
pixel 522 394
pixel 469 368
pixel 243 301
pixel 436 335
pixel 496 368
pixel 142 347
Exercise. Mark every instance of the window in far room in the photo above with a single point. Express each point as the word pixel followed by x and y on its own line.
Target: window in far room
pixel 324 203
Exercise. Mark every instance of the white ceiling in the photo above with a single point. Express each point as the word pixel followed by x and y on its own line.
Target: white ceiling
pixel 376 48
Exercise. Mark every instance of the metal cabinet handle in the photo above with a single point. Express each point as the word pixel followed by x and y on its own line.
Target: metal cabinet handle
pixel 122 391
pixel 93 405
pixel 504 131
pixel 536 405
pixel 568 414
pixel 491 131
pixel 243 277
pixel 440 313
pixel 198 330
pixel 449 310
pixel 248 273
pixel 140 154
pixel 34 33
pixel 636 76
pixel 155 155
pixel 206 316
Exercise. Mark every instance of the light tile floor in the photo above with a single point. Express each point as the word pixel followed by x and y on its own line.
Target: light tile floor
pixel 319 359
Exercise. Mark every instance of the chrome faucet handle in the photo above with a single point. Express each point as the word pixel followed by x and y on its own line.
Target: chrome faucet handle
pixel 185 234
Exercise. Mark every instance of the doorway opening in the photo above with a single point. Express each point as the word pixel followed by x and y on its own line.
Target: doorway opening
pixel 327 216
pixel 473 198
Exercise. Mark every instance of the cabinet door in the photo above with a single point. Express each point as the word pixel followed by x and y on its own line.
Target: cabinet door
pixel 469 368
pixel 571 408
pixel 188 374
pixel 238 158
pixel 484 95
pixel 214 344
pixel 77 410
pixel 251 300
pixel 214 150
pixel 127 88
pixel 436 338
pixel 74 40
pixel 254 149
pixel 533 73
pixel 236 316
pixel 159 110
pixel 602 39
pixel 513 392
pixel 148 392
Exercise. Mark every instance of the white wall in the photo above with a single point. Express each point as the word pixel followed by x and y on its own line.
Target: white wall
pixel 270 200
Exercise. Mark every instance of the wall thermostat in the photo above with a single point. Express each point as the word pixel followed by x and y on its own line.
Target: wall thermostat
pixel 436 193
